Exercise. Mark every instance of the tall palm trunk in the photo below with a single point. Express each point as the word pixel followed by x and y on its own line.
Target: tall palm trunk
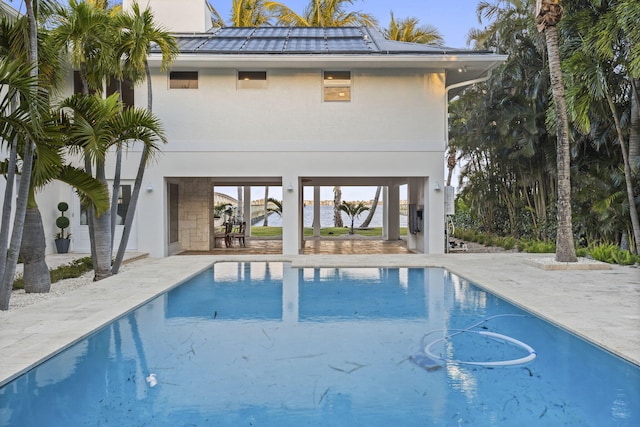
pixel 36 273
pixel 633 211
pixel 451 164
pixel 116 180
pixel 149 93
pixel 102 234
pixel 131 210
pixel 337 213
pixel 6 281
pixel 634 132
pixel 18 228
pixel 7 206
pixel 266 207
pixel 547 20
pixel 372 211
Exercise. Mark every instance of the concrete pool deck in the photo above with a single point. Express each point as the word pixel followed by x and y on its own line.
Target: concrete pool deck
pixel 602 306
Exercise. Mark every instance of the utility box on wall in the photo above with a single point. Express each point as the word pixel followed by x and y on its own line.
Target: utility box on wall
pixel 416 214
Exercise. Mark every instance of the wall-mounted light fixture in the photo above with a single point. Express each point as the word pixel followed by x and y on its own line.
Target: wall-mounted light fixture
pixel 149 187
pixel 462 69
pixel 436 186
pixel 290 188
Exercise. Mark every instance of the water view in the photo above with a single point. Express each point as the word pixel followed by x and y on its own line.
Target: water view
pixel 326 218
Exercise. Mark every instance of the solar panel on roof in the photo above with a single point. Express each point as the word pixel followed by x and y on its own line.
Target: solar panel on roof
pixel 343 32
pixel 264 45
pixel 306 45
pixel 347 45
pixel 299 40
pixel 235 32
pixel 189 44
pixel 306 32
pixel 223 45
pixel 271 32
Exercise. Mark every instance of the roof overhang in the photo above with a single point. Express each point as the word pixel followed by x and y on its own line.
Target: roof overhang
pixel 457 67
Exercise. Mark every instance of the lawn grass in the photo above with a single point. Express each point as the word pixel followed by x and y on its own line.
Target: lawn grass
pixel 260 231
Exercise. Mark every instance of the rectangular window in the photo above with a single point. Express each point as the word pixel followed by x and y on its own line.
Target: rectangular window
pixel 337 86
pixel 127 91
pixel 252 79
pixel 183 80
pixel 112 87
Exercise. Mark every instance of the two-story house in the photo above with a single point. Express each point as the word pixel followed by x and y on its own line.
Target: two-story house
pixel 292 108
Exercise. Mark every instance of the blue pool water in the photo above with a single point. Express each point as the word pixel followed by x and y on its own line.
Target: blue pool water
pixel 263 344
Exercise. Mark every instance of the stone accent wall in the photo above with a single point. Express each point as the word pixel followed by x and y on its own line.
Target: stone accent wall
pixel 194 211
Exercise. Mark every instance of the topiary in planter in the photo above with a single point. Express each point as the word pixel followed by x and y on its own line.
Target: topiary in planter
pixel 62 222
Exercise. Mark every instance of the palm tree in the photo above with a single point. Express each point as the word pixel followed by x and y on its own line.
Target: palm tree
pixel 602 74
pixel 18 124
pixel 26 86
pixel 353 210
pixel 321 13
pixel 49 165
pixel 275 206
pixel 337 201
pixel 250 13
pixel 93 126
pixel 372 211
pixel 83 30
pixel 410 30
pixel 138 32
pixel 266 207
pixel 548 14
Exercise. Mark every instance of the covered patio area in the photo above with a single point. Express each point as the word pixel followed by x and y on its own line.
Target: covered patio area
pixel 315 246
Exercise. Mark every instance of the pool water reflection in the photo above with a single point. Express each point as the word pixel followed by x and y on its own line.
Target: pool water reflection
pixel 265 344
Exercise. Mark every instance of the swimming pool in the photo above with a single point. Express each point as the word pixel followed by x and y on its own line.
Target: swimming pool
pixel 266 344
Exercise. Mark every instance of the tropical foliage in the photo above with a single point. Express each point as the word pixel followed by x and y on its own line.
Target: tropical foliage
pixel 410 30
pixel 353 210
pixel 504 131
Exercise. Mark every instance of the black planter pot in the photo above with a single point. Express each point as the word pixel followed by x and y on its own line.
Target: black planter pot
pixel 62 245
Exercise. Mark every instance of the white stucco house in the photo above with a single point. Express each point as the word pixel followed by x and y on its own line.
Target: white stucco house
pixel 293 108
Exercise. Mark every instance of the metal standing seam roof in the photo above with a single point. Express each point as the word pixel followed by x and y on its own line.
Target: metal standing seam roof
pixel 301 40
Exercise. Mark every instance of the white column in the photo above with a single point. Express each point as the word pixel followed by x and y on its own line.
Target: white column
pixel 316 211
pixel 385 213
pixel 291 229
pixel 393 220
pixel 246 209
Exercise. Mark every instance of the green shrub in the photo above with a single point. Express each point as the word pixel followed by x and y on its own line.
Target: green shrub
pixel 76 268
pixel 582 252
pixel 539 246
pixel 612 254
pixel 507 243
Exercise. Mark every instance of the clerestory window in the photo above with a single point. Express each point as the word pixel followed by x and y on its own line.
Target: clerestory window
pixel 183 80
pixel 252 79
pixel 337 86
